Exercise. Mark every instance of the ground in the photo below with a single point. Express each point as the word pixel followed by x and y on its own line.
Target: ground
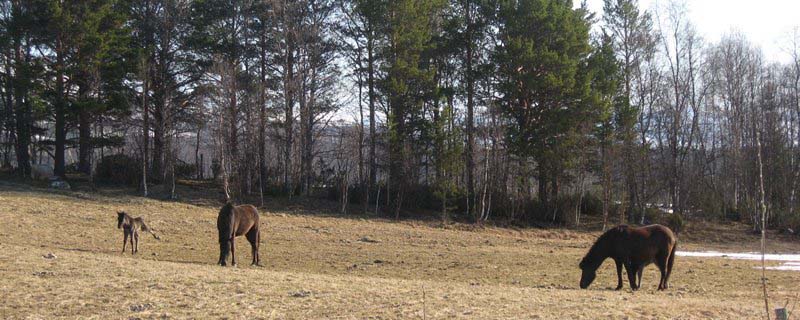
pixel 60 258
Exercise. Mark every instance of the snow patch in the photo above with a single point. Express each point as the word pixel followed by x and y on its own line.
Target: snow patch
pixel 741 256
pixel 791 262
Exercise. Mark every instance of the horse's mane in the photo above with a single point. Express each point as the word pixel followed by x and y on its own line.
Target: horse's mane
pixel 227 208
pixel 225 219
pixel 122 217
pixel 592 257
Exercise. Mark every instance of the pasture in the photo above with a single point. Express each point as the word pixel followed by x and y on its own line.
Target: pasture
pixel 60 258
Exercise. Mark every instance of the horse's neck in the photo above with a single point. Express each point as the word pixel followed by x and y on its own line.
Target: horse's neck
pixel 127 221
pixel 598 258
pixel 600 252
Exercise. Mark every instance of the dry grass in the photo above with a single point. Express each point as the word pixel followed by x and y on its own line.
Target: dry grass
pixel 319 267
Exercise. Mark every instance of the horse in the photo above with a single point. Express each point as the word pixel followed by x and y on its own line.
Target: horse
pixel 234 221
pixel 130 227
pixel 633 248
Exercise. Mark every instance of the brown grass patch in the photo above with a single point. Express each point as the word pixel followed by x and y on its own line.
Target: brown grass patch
pixel 320 267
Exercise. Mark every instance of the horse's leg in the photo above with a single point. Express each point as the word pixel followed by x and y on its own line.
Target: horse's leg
pixel 630 268
pixel 233 251
pixel 131 242
pixel 125 242
pixel 661 263
pixel 670 262
pixel 639 276
pixel 619 274
pixel 252 237
pixel 223 247
pixel 136 239
pixel 258 247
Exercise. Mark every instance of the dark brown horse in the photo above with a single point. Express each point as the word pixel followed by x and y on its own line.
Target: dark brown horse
pixel 234 221
pixel 633 248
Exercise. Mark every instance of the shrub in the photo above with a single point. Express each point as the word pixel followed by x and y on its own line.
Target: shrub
pixel 733 214
pixel 536 211
pixel 216 169
pixel 72 168
pixel 119 169
pixel 592 205
pixel 675 222
pixel 653 215
pixel 185 170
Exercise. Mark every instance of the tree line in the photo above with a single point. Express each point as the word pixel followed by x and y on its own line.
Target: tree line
pixel 527 111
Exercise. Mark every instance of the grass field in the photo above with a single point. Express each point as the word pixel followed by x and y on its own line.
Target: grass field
pixel 323 266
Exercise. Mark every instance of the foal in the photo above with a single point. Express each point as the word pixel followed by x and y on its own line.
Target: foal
pixel 234 221
pixel 633 248
pixel 130 227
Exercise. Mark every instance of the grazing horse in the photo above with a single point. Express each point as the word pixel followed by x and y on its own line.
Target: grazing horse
pixel 633 248
pixel 234 221
pixel 130 227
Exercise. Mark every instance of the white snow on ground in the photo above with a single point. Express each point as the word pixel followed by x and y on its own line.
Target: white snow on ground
pixel 791 262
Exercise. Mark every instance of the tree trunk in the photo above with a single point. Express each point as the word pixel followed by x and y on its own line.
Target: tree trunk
pixel 60 110
pixel 23 118
pixel 158 139
pixel 373 162
pixel 198 165
pixel 9 111
pixel 239 178
pixel 262 122
pixel 305 136
pixel 469 154
pixel 23 112
pixel 145 125
pixel 84 141
pixel 289 117
pixel 543 183
pixel 361 178
pixel 606 172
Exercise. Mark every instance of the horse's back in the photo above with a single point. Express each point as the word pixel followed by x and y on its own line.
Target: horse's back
pixel 657 230
pixel 659 238
pixel 248 211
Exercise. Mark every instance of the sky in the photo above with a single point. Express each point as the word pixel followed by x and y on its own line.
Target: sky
pixel 768 24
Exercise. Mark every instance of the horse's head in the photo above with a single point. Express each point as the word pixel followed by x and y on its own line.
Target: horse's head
pixel 588 274
pixel 587 277
pixel 120 218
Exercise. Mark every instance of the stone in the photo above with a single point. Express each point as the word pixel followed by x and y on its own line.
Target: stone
pixel 59 184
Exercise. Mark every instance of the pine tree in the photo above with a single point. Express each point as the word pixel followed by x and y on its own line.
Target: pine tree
pixel 631 36
pixel 544 45
pixel 608 106
pixel 407 85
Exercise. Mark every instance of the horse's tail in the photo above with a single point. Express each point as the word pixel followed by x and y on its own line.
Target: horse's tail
pixel 671 259
pixel 150 230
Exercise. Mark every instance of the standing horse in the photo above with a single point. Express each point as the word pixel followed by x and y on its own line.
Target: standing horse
pixel 633 248
pixel 130 227
pixel 234 221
